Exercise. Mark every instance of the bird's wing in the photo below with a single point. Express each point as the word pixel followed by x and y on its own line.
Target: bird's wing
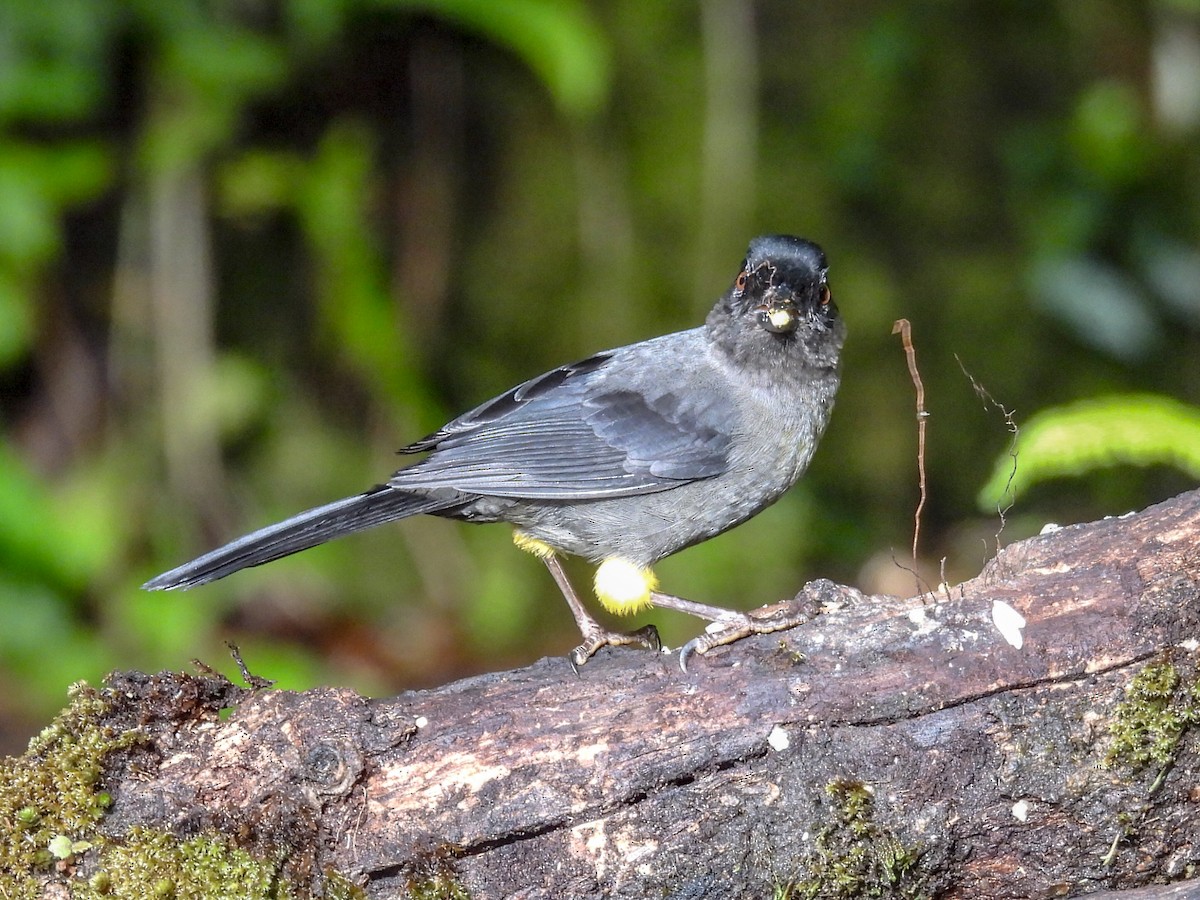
pixel 583 431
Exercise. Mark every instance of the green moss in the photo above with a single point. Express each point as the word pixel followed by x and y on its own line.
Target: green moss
pixel 50 810
pixel 437 887
pixel 854 856
pixel 431 876
pixel 151 864
pixel 339 887
pixel 1149 723
pixel 789 654
pixel 49 805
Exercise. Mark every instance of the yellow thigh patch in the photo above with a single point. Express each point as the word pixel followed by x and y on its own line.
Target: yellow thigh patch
pixel 622 587
pixel 540 549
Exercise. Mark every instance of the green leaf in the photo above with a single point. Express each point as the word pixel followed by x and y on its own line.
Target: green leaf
pixel 53 57
pixel 258 182
pixel 1134 429
pixel 36 183
pixel 65 536
pixel 558 39
pixel 1108 133
pixel 61 846
pixel 16 319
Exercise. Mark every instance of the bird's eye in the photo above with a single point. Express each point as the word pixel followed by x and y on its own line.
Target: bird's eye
pixel 825 295
pixel 742 279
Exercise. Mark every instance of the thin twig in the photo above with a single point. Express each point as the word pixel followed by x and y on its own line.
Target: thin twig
pixel 922 585
pixel 252 680
pixel 1007 498
pixel 904 328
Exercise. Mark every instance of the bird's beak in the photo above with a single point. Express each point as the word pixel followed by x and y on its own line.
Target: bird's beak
pixel 778 315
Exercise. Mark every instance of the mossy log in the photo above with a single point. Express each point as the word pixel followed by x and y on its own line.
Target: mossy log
pixel 889 748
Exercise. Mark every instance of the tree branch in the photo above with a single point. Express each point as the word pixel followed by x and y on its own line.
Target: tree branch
pixel 896 745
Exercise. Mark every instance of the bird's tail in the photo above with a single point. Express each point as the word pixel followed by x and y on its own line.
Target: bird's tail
pixel 307 529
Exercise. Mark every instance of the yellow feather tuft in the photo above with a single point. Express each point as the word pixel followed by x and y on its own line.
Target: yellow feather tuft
pixel 624 588
pixel 540 549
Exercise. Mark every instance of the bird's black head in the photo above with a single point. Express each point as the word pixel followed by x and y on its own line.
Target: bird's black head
pixel 780 304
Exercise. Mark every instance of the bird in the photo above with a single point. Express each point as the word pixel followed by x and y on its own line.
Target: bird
pixel 622 458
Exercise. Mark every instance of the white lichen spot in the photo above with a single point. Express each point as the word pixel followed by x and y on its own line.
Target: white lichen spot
pixel 1059 568
pixel 421 722
pixel 611 855
pixel 1050 528
pixel 589 840
pixel 473 777
pixel 635 853
pixel 1191 645
pixel 1175 534
pixel 924 622
pixel 778 739
pixel 588 754
pixel 1009 623
pixel 1020 810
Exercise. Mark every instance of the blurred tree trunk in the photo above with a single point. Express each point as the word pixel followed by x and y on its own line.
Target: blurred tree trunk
pixel 893 748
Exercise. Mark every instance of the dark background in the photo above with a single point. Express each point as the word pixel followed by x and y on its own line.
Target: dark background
pixel 248 249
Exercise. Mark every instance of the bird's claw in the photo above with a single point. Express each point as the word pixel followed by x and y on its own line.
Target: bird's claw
pixel 740 625
pixel 593 640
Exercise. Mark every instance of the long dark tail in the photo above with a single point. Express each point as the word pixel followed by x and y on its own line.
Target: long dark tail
pixel 307 529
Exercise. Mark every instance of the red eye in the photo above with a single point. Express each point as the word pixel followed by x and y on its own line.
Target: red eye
pixel 740 284
pixel 825 296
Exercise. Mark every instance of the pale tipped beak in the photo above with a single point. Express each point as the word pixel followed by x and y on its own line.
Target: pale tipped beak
pixel 778 318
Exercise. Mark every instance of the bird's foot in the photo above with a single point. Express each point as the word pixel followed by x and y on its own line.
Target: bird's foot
pixel 734 626
pixel 596 637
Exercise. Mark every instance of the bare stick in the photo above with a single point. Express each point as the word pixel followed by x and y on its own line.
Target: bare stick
pixel 904 328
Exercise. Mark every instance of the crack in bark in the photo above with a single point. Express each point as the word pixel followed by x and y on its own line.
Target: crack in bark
pixel 1008 688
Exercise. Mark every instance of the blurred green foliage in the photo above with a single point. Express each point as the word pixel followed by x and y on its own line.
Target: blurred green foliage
pixel 1072 440
pixel 247 250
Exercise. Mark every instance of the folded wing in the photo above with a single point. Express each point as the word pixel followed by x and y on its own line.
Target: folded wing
pixel 586 431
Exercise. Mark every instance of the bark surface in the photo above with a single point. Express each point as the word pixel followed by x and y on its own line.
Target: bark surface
pixel 890 747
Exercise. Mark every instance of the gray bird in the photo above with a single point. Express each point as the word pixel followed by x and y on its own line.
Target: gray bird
pixel 625 457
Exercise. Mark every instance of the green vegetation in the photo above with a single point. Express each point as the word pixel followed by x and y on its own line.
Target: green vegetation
pixel 49 801
pixel 52 805
pixel 854 856
pixel 1139 430
pixel 149 864
pixel 442 886
pixel 1160 705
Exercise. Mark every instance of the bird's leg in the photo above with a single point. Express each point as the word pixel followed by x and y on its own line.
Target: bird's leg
pixel 594 634
pixel 734 625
